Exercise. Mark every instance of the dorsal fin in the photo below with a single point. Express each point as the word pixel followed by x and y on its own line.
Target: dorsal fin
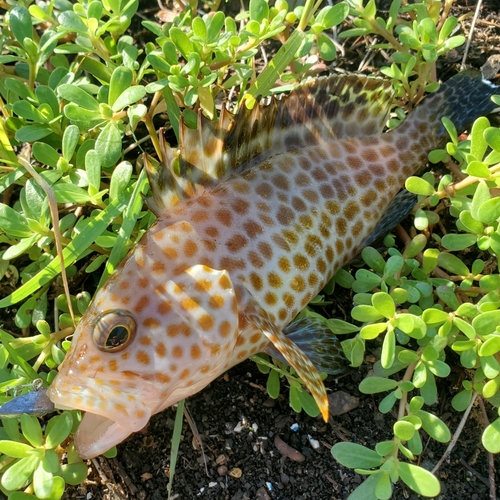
pixel 322 109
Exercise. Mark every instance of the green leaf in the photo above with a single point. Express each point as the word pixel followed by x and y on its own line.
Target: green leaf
pixel 478 144
pixel 13 223
pixel 481 196
pixel 295 399
pixel 386 405
pixel 453 264
pixel 259 10
pixel 308 404
pixel 492 137
pixel 491 346
pixel 457 242
pixel 383 490
pixel 374 385
pixel 417 185
pixel 15 449
pixel 128 97
pixel 388 349
pixel 372 331
pixel 59 430
pixel 78 96
pixel 46 154
pixel 43 480
pixel 273 384
pixel 434 426
pixel 486 322
pixel 434 316
pixel 366 490
pixel 419 479
pixel 365 313
pixel 326 47
pixel 121 80
pixel 120 179
pixel 384 304
pixel 462 400
pixel 199 28
pixel 70 141
pixel 32 133
pixel 20 24
pixel 69 193
pixel 491 437
pixel 17 475
pixel 266 80
pixel 329 17
pixel 354 455
pixel 489 211
pixel 109 144
pixel 182 42
pixel 32 430
pixel 74 474
pixel 404 430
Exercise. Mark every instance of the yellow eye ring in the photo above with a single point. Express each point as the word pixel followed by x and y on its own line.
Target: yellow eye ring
pixel 114 330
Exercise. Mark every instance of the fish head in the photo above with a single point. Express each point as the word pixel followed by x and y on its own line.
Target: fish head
pixel 132 358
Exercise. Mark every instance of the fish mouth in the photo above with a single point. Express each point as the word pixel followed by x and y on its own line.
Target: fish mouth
pixel 96 434
pixel 110 415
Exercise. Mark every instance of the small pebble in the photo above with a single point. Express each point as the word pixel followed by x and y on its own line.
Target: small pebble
pixel 238 428
pixel 314 442
pixel 222 470
pixel 294 427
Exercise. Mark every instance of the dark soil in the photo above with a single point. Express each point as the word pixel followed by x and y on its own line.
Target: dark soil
pixel 247 464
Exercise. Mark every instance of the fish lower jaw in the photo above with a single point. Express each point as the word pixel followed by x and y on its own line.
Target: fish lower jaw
pixel 97 434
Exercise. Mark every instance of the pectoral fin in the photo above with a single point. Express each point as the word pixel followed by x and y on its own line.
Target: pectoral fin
pixel 318 342
pixel 293 356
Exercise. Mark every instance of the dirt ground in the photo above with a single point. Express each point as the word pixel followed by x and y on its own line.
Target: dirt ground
pixel 242 428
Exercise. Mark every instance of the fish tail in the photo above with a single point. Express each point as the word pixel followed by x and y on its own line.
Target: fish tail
pixel 462 99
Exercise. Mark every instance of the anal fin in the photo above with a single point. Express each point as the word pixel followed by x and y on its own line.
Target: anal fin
pixel 395 212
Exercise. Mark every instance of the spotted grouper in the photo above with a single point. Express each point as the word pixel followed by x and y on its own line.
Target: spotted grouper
pixel 256 212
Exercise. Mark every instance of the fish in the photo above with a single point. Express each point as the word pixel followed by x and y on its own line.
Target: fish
pixel 255 213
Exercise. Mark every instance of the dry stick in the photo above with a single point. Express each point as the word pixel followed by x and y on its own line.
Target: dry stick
pixel 197 435
pixel 469 38
pixel 24 161
pixel 459 430
pixel 491 460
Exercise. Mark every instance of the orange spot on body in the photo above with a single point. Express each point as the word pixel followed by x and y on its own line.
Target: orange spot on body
pixel 164 307
pixel 195 351
pixel 142 303
pixel 216 301
pixel 151 323
pixel 158 267
pixel 189 303
pixel 177 352
pixel 225 328
pixel 142 357
pixel 206 322
pixel 190 248
pixel 161 350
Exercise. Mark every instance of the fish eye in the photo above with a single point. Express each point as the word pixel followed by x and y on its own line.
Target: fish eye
pixel 114 331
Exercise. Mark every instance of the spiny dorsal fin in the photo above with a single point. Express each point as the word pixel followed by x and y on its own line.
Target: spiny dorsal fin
pixel 319 110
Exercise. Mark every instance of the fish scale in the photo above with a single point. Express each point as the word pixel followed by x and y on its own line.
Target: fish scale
pixel 255 214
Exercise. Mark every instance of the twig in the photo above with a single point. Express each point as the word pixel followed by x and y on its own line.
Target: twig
pixel 491 460
pixel 459 430
pixel 197 435
pixel 24 160
pixel 475 472
pixel 469 38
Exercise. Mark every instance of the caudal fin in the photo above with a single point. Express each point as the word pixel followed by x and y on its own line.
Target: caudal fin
pixel 462 99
